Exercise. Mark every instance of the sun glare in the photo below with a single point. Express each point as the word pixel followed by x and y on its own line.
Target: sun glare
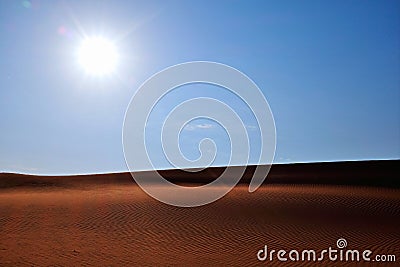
pixel 97 55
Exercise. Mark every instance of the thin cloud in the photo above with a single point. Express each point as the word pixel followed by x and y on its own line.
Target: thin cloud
pixel 251 127
pixel 198 126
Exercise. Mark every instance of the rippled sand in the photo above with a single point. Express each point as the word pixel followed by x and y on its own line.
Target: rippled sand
pixel 121 225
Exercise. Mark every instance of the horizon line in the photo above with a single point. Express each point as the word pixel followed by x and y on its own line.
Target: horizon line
pixel 219 166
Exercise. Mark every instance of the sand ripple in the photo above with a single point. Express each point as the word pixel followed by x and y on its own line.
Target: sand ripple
pixel 118 226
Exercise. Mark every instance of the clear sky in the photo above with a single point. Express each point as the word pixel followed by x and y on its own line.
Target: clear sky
pixel 330 71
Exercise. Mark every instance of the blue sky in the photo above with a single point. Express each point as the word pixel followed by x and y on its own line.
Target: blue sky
pixel 329 70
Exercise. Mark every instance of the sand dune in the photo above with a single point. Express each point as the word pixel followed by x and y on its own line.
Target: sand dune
pixel 49 221
pixel 360 173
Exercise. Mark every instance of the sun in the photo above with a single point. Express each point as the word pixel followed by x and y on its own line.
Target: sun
pixel 97 55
